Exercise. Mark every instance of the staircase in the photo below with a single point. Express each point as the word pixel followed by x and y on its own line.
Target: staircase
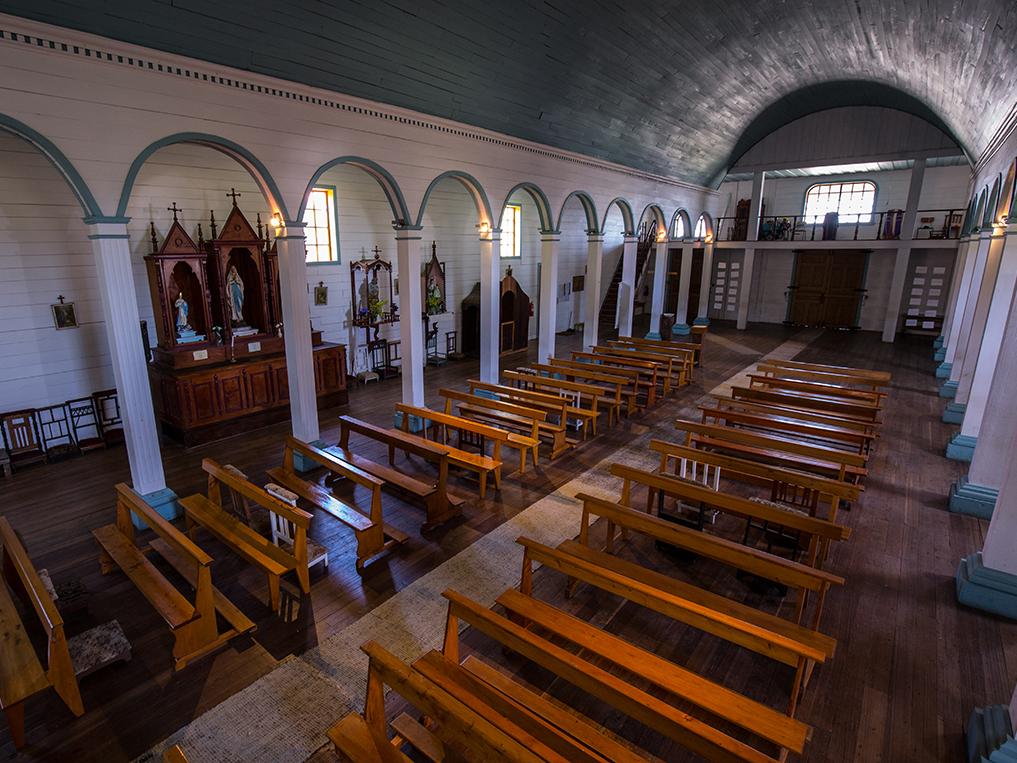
pixel 608 310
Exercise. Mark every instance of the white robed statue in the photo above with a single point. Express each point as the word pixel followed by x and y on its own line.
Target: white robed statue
pixel 182 311
pixel 235 292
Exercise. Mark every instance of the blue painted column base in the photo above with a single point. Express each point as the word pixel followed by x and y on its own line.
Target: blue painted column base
pixel 701 322
pixel 939 354
pixel 986 589
pixel 681 328
pixel 989 728
pixel 949 389
pixel 954 413
pixel 961 448
pixel 652 335
pixel 165 504
pixel 975 500
pixel 302 464
pixel 938 342
pixel 943 370
pixel 416 423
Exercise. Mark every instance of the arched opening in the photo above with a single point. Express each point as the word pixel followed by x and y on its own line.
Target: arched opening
pixel 618 224
pixel 704 228
pixel 541 206
pixel 387 183
pixel 576 220
pixel 524 216
pixel 628 218
pixel 681 226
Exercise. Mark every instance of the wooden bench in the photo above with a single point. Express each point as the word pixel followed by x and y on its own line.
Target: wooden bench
pixel 672 370
pixel 872 398
pixel 775 421
pixel 479 463
pixel 588 671
pixel 779 640
pixel 822 377
pixel 374 537
pixel 620 391
pixel 808 489
pixel 787 452
pixel 801 414
pixel 631 377
pixel 577 393
pixel 257 550
pixel 439 506
pixel 807 580
pixel 528 420
pixel 691 352
pixel 883 377
pixel 192 618
pixel 557 407
pixel 648 376
pixel 821 403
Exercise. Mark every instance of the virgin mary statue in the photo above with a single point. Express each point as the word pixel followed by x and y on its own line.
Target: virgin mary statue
pixel 235 292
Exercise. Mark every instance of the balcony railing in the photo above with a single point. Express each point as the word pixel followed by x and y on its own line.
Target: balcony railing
pixel 879 226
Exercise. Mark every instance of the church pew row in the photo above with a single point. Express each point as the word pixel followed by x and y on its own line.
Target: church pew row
pixel 869 398
pixel 619 389
pixel 801 414
pixel 791 485
pixel 210 513
pixel 524 444
pixel 479 463
pixel 432 492
pixel 687 354
pixel 191 617
pixel 635 392
pixel 824 404
pixel 822 377
pixel 586 401
pixel 780 450
pixel 670 370
pixel 881 377
pixel 520 415
pixel 649 374
pixel 695 346
pixel 815 534
pixel 374 537
pixel 558 409
pixel 825 434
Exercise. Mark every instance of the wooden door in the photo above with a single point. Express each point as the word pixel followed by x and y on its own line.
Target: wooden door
pixel 726 285
pixel 827 288
pixel 695 283
pixel 929 273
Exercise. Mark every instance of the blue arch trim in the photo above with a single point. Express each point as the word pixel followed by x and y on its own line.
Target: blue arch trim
pixel 391 189
pixel 244 157
pixel 589 209
pixel 539 199
pixel 684 215
pixel 57 158
pixel 627 216
pixel 473 187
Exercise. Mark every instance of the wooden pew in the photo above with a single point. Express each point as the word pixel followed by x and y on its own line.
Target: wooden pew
pixel 883 377
pixel 790 644
pixel 586 670
pixel 577 392
pixel 649 375
pixel 479 463
pixel 374 537
pixel 808 489
pixel 867 397
pixel 529 420
pixel 801 414
pixel 821 377
pixel 816 533
pixel 807 580
pixel 786 452
pixel 775 421
pixel 557 407
pixel 821 403
pixel 192 621
pixel 610 374
pixel 438 504
pixel 613 390
pixel 254 548
pixel 691 351
pixel 520 442
pixel 672 369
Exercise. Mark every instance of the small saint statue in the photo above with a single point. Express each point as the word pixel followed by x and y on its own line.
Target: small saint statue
pixel 235 292
pixel 182 311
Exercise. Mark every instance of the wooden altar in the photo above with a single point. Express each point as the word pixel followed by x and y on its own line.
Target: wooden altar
pixel 219 367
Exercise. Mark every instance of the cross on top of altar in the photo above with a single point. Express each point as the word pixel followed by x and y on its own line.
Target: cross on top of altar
pixel 377 252
pixel 174 209
pixel 233 194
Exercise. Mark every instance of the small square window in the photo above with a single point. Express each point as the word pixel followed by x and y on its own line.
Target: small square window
pixel 511 219
pixel 322 241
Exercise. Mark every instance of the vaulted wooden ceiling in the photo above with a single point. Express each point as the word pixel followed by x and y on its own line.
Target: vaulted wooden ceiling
pixel 677 88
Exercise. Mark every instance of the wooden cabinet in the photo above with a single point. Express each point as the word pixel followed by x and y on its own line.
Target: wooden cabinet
pixel 199 405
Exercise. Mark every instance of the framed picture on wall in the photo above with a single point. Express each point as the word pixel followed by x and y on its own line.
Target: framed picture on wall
pixel 578 283
pixel 63 315
pixel 320 294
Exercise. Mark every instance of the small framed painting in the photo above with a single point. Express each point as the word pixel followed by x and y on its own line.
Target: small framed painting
pixel 63 315
pixel 320 294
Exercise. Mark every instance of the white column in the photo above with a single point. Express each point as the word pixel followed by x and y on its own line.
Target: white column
pixel 659 280
pixel 297 330
pixel 411 308
pixel 959 264
pixel 1000 550
pixel 992 338
pixel 978 318
pixel 594 260
pixel 490 306
pixel 548 295
pixel 955 354
pixel 705 287
pixel 900 266
pixel 111 247
pixel 748 262
pixel 962 285
pixel 627 287
pixel 681 313
pixel 755 205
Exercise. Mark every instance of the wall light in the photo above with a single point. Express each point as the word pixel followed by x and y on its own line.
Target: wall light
pixel 485 228
pixel 661 236
pixel 276 220
pixel 709 238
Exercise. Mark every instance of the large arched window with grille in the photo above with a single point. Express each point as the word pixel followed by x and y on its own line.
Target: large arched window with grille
pixel 853 201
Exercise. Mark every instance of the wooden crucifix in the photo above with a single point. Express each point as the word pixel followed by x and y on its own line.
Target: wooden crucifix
pixel 233 194
pixel 174 209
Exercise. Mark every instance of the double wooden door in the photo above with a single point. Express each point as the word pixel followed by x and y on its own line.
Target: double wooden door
pixel 827 288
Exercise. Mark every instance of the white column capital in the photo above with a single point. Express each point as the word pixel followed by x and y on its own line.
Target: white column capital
pixel 628 240
pixel 550 238
pixel 97 230
pixel 595 238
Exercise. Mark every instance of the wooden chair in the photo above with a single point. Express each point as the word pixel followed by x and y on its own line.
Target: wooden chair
pixel 85 424
pixel 433 492
pixel 22 675
pixel 374 537
pixel 191 616
pixel 55 429
pixel 284 531
pixel 257 550
pixel 107 409
pixel 20 430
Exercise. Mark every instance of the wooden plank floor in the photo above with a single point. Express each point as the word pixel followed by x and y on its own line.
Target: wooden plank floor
pixel 910 663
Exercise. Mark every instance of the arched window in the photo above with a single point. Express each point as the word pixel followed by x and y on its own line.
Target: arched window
pixel 853 201
pixel 679 228
pixel 700 233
